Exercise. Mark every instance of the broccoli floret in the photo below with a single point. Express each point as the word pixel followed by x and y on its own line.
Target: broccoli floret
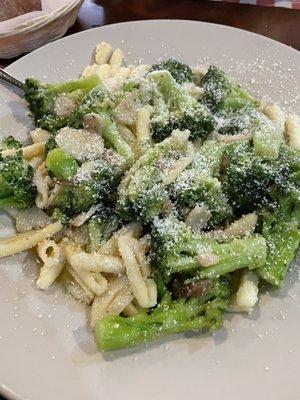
pixel 180 72
pixel 101 226
pixel 16 182
pixel 175 108
pixel 87 188
pixel 43 100
pixel 143 191
pixel 220 92
pixel 9 143
pixel 198 185
pixel 96 101
pixel 145 195
pixel 175 248
pixel 252 183
pixel 170 316
pixel 281 231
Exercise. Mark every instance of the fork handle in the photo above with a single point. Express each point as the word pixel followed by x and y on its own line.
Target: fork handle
pixel 5 76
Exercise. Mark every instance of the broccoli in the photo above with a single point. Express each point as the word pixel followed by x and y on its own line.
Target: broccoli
pixel 61 164
pixel 180 72
pixel 16 182
pixel 145 195
pixel 9 143
pixel 174 108
pixel 51 104
pixel 96 101
pixel 170 316
pixel 220 92
pixel 252 183
pixel 175 249
pixel 143 191
pixel 101 226
pixel 281 231
pixel 198 185
pixel 93 183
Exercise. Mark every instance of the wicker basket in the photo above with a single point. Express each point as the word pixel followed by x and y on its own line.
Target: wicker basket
pixel 35 33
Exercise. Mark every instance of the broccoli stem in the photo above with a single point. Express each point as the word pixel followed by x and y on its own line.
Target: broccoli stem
pixel 249 252
pixel 282 245
pixel 116 332
pixel 61 164
pixel 85 83
pixel 109 131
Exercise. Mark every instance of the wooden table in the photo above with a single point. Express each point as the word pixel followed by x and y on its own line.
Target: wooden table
pixel 277 23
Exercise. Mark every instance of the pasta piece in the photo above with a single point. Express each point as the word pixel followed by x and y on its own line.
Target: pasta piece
pixel 178 167
pixel 75 290
pixel 130 310
pixel 139 72
pixel 247 294
pixel 51 255
pixel 115 83
pixel 143 288
pixel 97 262
pixel 276 115
pixel 129 138
pixel 292 131
pixel 93 280
pixel 35 162
pixel 243 226
pixel 117 296
pixel 42 181
pixel 88 293
pixel 116 60
pixel 199 73
pixel 143 133
pixel 103 53
pixel 30 151
pixel 103 71
pixel 111 246
pixel 39 135
pixel 27 240
pixel 53 194
pixel 84 216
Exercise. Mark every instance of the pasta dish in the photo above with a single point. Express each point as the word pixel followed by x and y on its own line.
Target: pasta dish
pixel 161 196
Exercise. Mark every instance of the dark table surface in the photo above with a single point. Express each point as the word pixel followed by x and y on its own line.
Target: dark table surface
pixel 281 24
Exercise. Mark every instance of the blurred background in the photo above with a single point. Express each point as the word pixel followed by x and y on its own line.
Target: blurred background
pixel 28 24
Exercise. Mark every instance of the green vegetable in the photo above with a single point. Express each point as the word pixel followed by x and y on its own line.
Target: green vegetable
pixel 16 182
pixel 197 185
pixel 220 92
pixel 96 101
pixel 175 108
pixel 61 164
pixel 42 98
pixel 84 192
pixel 281 231
pixel 102 226
pixel 180 72
pixel 10 143
pixel 116 332
pixel 175 248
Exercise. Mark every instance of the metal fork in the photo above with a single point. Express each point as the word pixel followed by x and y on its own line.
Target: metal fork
pixel 6 77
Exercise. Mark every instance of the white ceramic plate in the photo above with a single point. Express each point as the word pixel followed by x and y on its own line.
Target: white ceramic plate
pixel 46 351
